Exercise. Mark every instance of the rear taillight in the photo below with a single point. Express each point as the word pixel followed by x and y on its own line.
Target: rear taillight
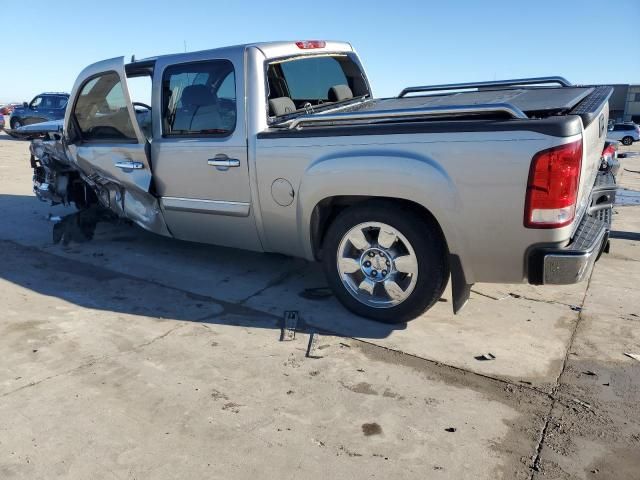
pixel 552 189
pixel 309 44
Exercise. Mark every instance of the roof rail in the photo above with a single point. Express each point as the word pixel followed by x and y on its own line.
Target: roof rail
pixel 495 83
pixel 408 113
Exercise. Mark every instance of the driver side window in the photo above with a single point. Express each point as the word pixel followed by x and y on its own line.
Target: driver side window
pixel 101 110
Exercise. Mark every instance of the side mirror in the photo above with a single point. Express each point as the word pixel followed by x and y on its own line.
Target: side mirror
pixel 25 105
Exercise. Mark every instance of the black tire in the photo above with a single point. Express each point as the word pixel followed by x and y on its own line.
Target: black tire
pixel 627 140
pixel 427 242
pixel 14 122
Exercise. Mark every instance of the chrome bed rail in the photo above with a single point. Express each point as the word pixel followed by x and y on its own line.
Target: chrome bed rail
pixel 405 114
pixel 563 82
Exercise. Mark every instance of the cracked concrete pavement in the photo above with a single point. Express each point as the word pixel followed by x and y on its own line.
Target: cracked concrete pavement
pixel 136 356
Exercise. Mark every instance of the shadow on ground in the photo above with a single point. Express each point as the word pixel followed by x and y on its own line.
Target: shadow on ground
pixel 80 281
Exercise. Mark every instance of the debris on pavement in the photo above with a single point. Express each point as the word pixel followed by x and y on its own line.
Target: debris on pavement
pixel 317 293
pixel 290 324
pixel 312 347
pixel 450 429
pixel 580 402
pixel 635 356
pixel 485 357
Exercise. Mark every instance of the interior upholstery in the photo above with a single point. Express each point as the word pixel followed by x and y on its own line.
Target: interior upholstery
pixel 281 106
pixel 338 93
pixel 198 111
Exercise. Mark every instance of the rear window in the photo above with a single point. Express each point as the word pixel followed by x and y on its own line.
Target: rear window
pixel 316 80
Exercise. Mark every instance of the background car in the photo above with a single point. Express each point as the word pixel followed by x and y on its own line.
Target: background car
pixel 1 121
pixel 5 109
pixel 43 108
pixel 627 133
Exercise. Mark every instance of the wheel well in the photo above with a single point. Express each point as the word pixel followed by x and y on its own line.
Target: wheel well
pixel 328 209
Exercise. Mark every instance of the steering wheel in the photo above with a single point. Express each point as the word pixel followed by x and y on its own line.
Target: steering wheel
pixel 140 104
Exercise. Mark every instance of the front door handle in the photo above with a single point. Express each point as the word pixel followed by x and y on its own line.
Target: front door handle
pixel 223 161
pixel 130 165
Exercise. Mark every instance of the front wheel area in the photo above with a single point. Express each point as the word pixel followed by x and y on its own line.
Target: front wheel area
pixel 385 263
pixel 15 124
pixel 627 141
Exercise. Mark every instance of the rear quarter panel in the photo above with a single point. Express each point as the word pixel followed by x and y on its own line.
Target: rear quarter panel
pixel 473 183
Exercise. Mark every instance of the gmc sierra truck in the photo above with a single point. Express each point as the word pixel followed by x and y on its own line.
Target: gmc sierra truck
pixel 281 147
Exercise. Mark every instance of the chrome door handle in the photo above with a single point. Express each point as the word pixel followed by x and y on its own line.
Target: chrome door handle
pixel 223 162
pixel 130 165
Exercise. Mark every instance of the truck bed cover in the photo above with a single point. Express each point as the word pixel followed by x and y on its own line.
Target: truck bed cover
pixel 529 100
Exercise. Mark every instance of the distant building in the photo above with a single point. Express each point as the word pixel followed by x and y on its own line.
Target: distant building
pixel 624 104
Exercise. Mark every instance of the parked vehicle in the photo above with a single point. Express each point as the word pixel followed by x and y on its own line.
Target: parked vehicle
pixel 43 108
pixel 627 133
pixel 282 147
pixel 6 109
pixel 1 122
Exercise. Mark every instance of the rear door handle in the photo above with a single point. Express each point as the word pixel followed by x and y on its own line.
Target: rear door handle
pixel 222 161
pixel 130 165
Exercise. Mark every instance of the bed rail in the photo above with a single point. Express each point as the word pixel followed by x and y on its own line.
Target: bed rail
pixel 405 114
pixel 563 82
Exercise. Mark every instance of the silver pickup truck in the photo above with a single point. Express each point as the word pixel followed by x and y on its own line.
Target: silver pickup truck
pixel 281 147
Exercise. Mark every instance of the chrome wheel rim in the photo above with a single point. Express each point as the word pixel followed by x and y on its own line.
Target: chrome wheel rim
pixel 16 125
pixel 377 265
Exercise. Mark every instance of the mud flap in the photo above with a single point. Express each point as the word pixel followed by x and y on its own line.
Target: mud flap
pixel 459 287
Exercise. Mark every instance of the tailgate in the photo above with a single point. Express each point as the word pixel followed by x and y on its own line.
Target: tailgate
pixel 594 111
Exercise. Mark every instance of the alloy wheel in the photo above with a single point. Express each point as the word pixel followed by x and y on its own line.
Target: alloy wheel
pixel 377 265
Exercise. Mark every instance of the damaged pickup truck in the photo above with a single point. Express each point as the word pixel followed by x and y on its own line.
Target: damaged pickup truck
pixel 281 147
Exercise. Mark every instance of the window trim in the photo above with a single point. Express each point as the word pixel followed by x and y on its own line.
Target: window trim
pixel 76 125
pixel 197 135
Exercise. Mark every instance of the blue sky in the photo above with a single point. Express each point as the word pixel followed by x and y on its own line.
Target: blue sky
pixel 401 42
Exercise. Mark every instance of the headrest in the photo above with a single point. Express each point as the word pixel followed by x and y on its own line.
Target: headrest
pixel 337 93
pixel 281 106
pixel 197 95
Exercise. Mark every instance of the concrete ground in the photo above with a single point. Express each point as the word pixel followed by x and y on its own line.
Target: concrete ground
pixel 133 356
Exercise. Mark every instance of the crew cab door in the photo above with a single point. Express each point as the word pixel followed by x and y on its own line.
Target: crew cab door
pixel 106 142
pixel 199 149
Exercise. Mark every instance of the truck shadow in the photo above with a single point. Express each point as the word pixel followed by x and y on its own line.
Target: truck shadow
pixel 126 270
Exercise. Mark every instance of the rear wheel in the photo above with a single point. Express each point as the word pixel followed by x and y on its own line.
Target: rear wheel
pixel 385 264
pixel 627 140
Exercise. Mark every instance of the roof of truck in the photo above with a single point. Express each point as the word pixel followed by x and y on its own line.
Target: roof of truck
pixel 270 49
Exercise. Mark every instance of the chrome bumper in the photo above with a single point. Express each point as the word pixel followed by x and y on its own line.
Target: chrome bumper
pixel 573 263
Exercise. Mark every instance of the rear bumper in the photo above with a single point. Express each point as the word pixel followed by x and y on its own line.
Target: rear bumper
pixel 573 263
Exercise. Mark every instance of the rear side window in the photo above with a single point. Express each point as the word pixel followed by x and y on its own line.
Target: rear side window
pixel 199 99
pixel 101 110
pixel 54 102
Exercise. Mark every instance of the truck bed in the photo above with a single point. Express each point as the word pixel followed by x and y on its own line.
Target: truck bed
pixel 516 99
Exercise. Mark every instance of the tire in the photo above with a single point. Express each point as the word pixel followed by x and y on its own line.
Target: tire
pixel 372 274
pixel 15 124
pixel 627 140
